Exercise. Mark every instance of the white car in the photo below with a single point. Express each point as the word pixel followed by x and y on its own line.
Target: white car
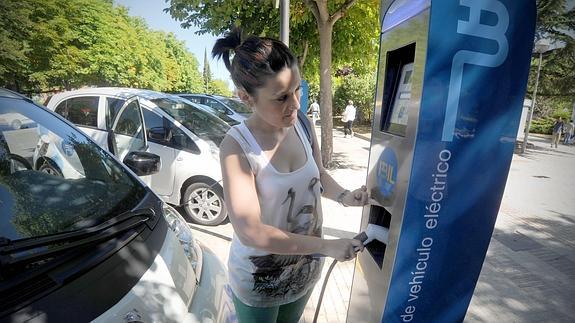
pixel 98 246
pixel 184 135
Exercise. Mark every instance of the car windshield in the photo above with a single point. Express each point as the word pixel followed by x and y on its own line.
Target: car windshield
pixel 53 179
pixel 201 122
pixel 236 105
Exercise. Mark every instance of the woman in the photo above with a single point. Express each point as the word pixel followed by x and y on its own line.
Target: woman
pixel 273 180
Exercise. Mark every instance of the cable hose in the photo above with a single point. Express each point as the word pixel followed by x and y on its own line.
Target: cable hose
pixel 318 307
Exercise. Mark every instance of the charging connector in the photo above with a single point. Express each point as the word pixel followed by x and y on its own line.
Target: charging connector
pixel 373 232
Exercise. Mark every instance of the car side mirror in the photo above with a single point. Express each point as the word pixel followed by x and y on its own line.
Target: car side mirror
pixel 143 163
pixel 160 134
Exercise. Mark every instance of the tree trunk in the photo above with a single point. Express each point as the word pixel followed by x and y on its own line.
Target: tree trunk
pixel 325 22
pixel 325 36
pixel 301 59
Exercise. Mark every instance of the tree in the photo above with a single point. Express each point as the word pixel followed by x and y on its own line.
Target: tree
pixel 15 27
pixel 556 22
pixel 56 44
pixel 207 75
pixel 312 29
pixel 219 87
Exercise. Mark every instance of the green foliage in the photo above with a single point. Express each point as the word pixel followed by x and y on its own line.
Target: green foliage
pixel 542 125
pixel 556 22
pixel 355 38
pixel 361 90
pixel 219 87
pixel 54 44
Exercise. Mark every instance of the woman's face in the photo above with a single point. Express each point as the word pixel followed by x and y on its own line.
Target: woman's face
pixel 277 101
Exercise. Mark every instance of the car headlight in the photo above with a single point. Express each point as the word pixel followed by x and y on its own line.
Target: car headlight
pixel 184 234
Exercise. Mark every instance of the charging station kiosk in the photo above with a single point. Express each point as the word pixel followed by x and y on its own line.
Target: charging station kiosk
pixel 452 76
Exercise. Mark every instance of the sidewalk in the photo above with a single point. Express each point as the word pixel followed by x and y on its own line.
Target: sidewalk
pixel 529 272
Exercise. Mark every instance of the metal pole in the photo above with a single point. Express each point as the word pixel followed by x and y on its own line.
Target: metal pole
pixel 284 21
pixel 530 115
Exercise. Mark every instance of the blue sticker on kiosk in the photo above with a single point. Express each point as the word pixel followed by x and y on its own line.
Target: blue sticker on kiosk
pixel 387 172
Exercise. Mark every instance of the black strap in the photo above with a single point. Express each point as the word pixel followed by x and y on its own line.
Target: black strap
pixel 306 125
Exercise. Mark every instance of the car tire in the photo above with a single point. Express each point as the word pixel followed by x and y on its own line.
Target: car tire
pixel 204 203
pixel 49 167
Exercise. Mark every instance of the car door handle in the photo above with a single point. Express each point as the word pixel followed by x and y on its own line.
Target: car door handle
pixel 179 158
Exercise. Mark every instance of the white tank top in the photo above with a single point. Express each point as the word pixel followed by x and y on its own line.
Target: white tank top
pixel 290 202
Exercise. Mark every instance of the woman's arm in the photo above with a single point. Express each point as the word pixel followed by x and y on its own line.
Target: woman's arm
pixel 242 203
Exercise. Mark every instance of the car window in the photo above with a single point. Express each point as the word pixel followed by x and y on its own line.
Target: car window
pixel 152 120
pixel 177 140
pixel 53 179
pixel 202 123
pixel 180 140
pixel 129 122
pixel 216 105
pixel 194 99
pixel 236 105
pixel 113 106
pixel 82 111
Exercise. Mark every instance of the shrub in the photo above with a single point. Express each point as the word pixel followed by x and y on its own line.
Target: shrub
pixel 542 125
pixel 361 90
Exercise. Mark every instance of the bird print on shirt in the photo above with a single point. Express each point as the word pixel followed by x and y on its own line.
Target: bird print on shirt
pixel 284 275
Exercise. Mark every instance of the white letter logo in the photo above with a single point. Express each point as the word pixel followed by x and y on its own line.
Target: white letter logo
pixel 474 27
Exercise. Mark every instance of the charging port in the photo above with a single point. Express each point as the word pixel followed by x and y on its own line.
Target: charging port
pixel 378 216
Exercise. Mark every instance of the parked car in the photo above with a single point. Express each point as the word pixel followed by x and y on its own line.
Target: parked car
pixel 234 108
pixel 185 136
pixel 219 114
pixel 97 245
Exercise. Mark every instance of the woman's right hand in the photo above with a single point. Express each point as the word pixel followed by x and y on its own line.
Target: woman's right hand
pixel 342 249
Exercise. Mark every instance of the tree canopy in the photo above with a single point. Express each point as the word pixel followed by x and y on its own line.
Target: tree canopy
pixel 555 22
pixel 355 39
pixel 58 44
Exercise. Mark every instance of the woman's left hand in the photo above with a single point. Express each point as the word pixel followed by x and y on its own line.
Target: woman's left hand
pixel 358 197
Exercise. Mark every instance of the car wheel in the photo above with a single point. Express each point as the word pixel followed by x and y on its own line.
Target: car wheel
pixel 204 203
pixel 49 167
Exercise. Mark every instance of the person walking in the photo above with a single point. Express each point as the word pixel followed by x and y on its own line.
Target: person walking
pixel 569 130
pixel 314 107
pixel 557 131
pixel 273 181
pixel 349 117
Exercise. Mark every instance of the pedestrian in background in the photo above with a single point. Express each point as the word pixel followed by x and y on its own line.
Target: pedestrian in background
pixel 557 131
pixel 348 118
pixel 273 181
pixel 314 107
pixel 569 132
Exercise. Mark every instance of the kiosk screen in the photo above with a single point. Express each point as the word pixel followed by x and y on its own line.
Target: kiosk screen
pixel 397 90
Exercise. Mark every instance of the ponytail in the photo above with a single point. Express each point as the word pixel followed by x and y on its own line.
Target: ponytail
pixel 223 46
pixel 254 59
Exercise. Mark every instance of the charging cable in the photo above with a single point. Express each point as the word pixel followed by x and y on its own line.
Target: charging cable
pixel 373 232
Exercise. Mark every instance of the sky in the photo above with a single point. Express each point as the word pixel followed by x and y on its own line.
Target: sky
pixel 157 19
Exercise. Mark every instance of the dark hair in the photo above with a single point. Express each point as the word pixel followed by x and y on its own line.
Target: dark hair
pixel 254 60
